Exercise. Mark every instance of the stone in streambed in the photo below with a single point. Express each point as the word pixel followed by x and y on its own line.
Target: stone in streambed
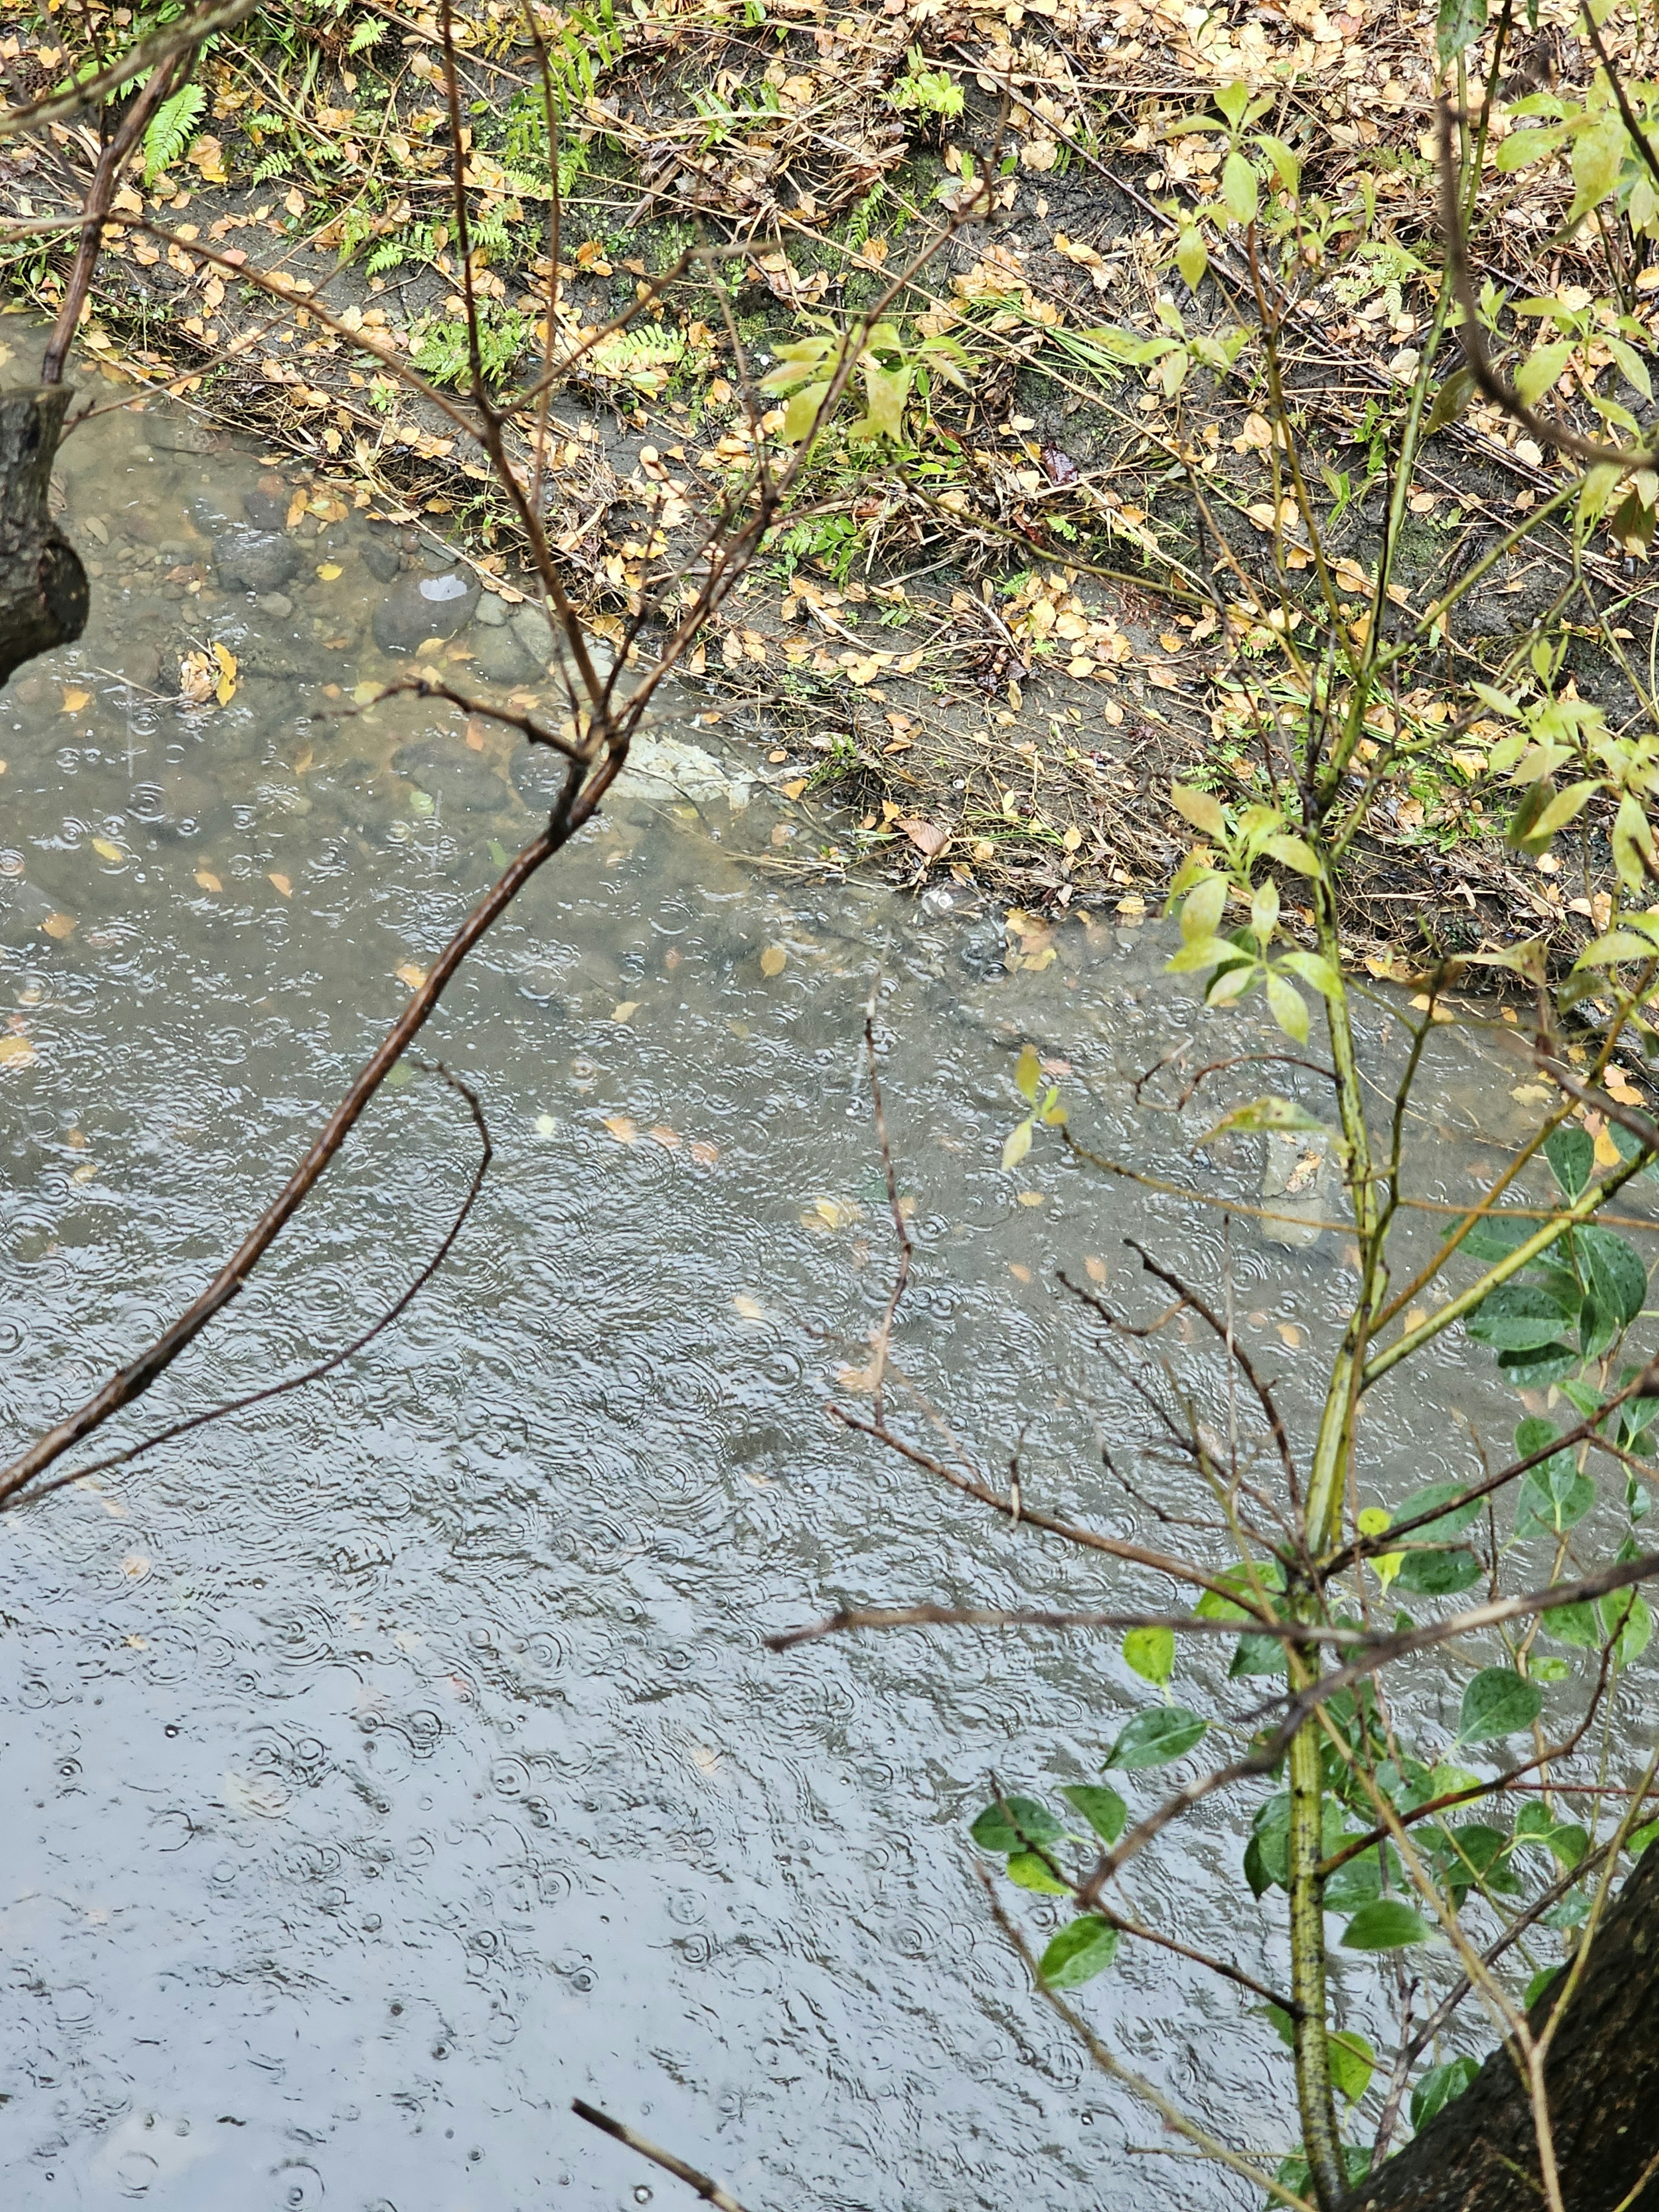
pixel 500 658
pixel 445 768
pixel 418 607
pixel 250 560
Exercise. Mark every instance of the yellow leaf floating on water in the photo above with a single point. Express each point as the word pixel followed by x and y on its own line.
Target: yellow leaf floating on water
pixel 74 700
pixel 1020 1272
pixel 1289 1333
pixel 363 694
pixel 208 880
pixel 134 1566
pixel 623 1127
pixel 670 1139
pixel 409 974
pixel 59 925
pixel 705 1154
pixel 626 1012
pixel 16 1052
pixel 225 690
pixel 1095 1269
pixel 330 571
pixel 773 960
pixel 750 1308
pixel 281 882
pixel 1031 1198
pixel 838 1213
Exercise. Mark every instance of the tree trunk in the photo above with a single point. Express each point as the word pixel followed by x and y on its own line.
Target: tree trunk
pixel 43 587
pixel 1479 2153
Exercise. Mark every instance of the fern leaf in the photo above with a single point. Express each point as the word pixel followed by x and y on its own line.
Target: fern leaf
pixel 170 129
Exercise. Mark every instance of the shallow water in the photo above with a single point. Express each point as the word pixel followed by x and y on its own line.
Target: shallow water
pixel 393 1762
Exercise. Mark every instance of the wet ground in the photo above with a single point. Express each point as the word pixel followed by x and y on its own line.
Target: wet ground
pixel 394 1762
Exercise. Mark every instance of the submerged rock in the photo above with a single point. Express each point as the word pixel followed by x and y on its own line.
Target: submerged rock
pixel 446 769
pixel 1302 1186
pixel 418 607
pixel 250 560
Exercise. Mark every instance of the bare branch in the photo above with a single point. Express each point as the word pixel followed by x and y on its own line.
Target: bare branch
pixel 710 2191
pixel 150 53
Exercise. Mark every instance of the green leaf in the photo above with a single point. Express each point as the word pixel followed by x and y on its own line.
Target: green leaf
pixel 1625 1618
pixel 1099 1805
pixel 1565 1840
pixel 1025 1822
pixel 1262 1114
pixel 1242 1576
pixel 1314 969
pixel 1451 401
pixel 1571 1153
pixel 1386 1925
pixel 1203 810
pixel 1575 1624
pixel 1234 100
pixel 1539 370
pixel 499 855
pixel 1239 188
pixel 1028 1073
pixel 1536 1371
pixel 1457 26
pixel 1201 909
pixel 1151 1652
pixel 1191 257
pixel 1082 1949
pixel 1257 1654
pixel 1445 1527
pixel 1437 1574
pixel 1613 1270
pixel 1553 1498
pixel 1598 155
pixel 170 129
pixel 886 390
pixel 1494 1236
pixel 1027 1871
pixel 1439 2085
pixel 803 411
pixel 1295 853
pixel 1478 1854
pixel 1264 909
pixel 1539 1985
pixel 1498 1703
pixel 1288 1006
pixel 1156 1738
pixel 1352 2064
pixel 1518 1317
pixel 1630 364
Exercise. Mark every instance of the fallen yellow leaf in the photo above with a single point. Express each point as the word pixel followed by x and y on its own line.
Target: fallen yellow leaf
pixel 773 960
pixel 795 788
pixel 134 1566
pixel 16 1052
pixel 623 1127
pixel 106 851
pixel 74 700
pixel 1095 1269
pixel 1031 1198
pixel 1289 1333
pixel 838 1213
pixel 704 1153
pixel 59 925
pixel 409 974
pixel 364 694
pixel 281 882
pixel 1021 1274
pixel 751 1309
pixel 670 1139
pixel 330 571
pixel 626 1012
pixel 208 880
pixel 224 689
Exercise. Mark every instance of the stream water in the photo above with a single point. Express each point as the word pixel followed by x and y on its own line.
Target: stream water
pixel 392 1763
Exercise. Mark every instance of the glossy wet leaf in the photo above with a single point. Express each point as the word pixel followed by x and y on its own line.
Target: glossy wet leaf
pixel 1551 1499
pixel 1519 1317
pixel 1445 1526
pixel 1614 1271
pixel 1256 1654
pixel 1536 1371
pixel 1626 1618
pixel 1477 1855
pixel 1151 1653
pixel 773 960
pixel 1156 1738
pixel 1437 1574
pixel 1028 1871
pixel 1498 1703
pixel 1439 2085
pixel 1571 1153
pixel 1082 1949
pixel 1099 1805
pixel 1573 1624
pixel 1388 1924
pixel 1014 1823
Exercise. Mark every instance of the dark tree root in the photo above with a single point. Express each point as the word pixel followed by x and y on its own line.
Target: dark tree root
pixel 43 587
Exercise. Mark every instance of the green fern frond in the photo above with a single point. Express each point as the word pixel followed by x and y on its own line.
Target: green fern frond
pixel 170 129
pixel 862 221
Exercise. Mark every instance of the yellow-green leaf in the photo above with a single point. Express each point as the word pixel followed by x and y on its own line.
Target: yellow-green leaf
pixel 1028 1073
pixel 803 411
pixel 1288 1006
pixel 1539 370
pixel 1017 1145
pixel 1191 259
pixel 1238 188
pixel 1201 808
